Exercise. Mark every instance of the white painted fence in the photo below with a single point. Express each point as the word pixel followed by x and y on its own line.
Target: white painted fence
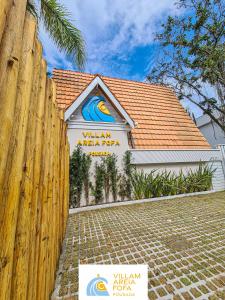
pixel 175 160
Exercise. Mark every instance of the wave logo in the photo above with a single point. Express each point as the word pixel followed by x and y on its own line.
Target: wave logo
pixel 97 287
pixel 95 110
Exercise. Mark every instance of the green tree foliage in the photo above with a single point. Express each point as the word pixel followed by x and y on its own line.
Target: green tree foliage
pixel 79 176
pixel 114 176
pixel 114 182
pixel 57 21
pixel 86 175
pixel 107 172
pixel 76 177
pixel 122 187
pixel 128 170
pixel 97 189
pixel 156 184
pixel 193 55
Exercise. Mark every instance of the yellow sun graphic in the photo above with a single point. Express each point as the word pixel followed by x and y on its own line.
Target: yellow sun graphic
pixel 103 108
pixel 100 286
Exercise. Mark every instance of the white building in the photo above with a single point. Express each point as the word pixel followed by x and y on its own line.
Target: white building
pixel 110 115
pixel 211 131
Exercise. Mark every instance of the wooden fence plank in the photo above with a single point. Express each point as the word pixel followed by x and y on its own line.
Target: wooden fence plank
pixel 14 166
pixel 6 5
pixel 34 162
pixel 10 53
pixel 22 239
pixel 43 235
pixel 35 210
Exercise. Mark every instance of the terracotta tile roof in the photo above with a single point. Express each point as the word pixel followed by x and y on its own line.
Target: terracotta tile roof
pixel 162 121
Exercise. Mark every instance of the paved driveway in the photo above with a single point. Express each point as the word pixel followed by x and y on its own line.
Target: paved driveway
pixel 182 241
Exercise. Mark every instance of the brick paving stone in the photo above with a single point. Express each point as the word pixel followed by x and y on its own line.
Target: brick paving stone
pixel 181 240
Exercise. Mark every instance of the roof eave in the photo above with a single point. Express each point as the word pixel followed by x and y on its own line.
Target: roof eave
pixel 88 89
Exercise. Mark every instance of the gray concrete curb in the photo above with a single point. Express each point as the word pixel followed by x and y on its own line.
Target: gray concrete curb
pixel 130 202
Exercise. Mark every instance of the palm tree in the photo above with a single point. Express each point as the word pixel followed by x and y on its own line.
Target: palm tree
pixel 57 22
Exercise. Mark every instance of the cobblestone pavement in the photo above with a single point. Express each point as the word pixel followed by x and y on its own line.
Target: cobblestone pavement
pixel 181 240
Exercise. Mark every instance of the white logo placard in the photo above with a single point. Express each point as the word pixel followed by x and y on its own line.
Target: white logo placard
pixel 110 282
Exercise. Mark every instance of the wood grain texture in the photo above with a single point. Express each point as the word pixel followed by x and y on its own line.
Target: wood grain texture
pixel 6 5
pixel 34 154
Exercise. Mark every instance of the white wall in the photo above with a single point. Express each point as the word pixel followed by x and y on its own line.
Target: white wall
pixel 175 168
pixel 75 135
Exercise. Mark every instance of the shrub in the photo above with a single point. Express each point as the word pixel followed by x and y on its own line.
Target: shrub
pixel 168 183
pixel 200 180
pixel 140 184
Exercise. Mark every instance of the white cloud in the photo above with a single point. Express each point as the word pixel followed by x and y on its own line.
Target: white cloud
pixel 111 28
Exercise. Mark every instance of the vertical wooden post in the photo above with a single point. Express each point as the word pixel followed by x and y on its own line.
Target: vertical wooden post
pixel 10 53
pixel 4 12
pixel 34 157
pixel 36 207
pixel 22 240
pixel 43 234
pixel 14 164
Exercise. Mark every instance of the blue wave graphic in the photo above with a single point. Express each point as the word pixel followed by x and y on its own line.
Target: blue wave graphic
pixel 92 287
pixel 91 110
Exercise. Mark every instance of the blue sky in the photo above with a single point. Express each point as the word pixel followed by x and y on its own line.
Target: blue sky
pixel 119 36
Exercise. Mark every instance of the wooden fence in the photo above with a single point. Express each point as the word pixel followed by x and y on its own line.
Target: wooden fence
pixel 34 162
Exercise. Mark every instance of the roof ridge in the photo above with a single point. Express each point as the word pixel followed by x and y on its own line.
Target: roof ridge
pixel 123 79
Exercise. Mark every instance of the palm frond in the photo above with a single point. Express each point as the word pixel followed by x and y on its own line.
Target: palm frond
pixel 31 7
pixel 57 21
